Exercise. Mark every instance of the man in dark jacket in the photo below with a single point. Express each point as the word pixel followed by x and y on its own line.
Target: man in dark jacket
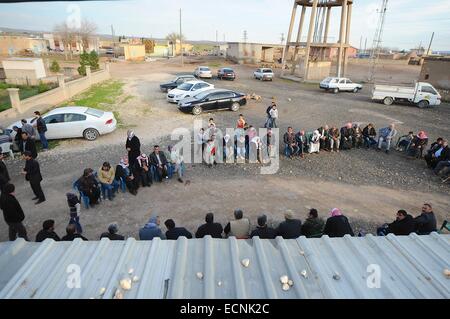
pixel 12 213
pixel 133 146
pixel 47 231
pixel 17 138
pixel 112 233
pixel 290 228
pixel 425 222
pixel 32 174
pixel 262 230
pixel 159 161
pixel 28 145
pixel 71 233
pixel 369 134
pixel 41 128
pixel 430 157
pixel 291 147
pixel 4 175
pixel 175 232
pixel 347 137
pixel 151 229
pixel 337 225
pixel 209 228
pixel 402 226
pixel 313 225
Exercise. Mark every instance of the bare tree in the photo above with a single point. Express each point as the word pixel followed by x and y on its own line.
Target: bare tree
pixel 85 32
pixel 174 37
pixel 66 35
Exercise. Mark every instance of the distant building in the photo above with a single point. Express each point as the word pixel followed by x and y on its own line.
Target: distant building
pixel 436 70
pixel 220 49
pixel 11 44
pixel 252 53
pixel 24 71
pixel 134 52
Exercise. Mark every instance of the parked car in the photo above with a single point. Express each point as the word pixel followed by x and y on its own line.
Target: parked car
pixel 203 72
pixel 337 85
pixel 226 73
pixel 210 100
pixel 422 94
pixel 180 79
pixel 263 74
pixel 75 121
pixel 188 89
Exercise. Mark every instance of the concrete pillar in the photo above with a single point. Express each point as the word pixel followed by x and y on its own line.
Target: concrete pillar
pixel 107 64
pixel 291 26
pixel 310 35
pixel 327 25
pixel 299 38
pixel 347 39
pixel 61 82
pixel 341 37
pixel 15 99
pixel 88 74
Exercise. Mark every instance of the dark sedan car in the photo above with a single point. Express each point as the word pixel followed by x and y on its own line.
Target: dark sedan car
pixel 211 100
pixel 180 79
pixel 226 73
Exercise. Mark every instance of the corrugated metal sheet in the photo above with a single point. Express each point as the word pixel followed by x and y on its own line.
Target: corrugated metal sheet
pixel 410 267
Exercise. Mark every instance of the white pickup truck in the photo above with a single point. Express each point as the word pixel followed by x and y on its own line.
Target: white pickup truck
pixel 422 94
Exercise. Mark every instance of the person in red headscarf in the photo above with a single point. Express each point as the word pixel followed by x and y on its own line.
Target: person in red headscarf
pixel 418 144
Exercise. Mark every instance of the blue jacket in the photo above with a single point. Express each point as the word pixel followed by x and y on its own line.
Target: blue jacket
pixel 150 231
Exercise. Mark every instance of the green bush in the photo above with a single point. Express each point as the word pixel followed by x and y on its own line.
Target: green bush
pixel 86 59
pixel 43 87
pixel 55 67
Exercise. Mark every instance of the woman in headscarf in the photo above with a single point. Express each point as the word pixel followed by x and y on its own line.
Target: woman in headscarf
pixel 418 144
pixel 133 146
pixel 88 184
pixel 143 169
pixel 314 144
pixel 337 225
pixel 176 161
pixel 228 148
pixel 124 176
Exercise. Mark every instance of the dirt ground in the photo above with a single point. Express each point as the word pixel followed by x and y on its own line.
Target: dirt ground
pixel 369 186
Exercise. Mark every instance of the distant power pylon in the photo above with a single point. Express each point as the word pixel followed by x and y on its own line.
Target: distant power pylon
pixel 282 38
pixel 245 36
pixel 377 39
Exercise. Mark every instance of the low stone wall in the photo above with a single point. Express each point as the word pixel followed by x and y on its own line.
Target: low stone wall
pixel 56 96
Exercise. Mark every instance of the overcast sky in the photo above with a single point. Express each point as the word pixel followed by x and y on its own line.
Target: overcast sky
pixel 408 22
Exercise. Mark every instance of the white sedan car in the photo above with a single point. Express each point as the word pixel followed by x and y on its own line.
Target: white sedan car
pixel 336 85
pixel 75 121
pixel 188 89
pixel 264 74
pixel 203 72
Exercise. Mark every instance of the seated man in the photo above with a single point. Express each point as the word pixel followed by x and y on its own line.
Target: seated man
pixel 313 225
pixel 71 233
pixel 432 150
pixel 302 143
pixel 386 135
pixel 441 158
pixel 159 161
pixel 324 132
pixel 125 175
pixel 262 230
pixel 418 144
pixel 291 147
pixel 175 232
pixel 358 139
pixel 112 233
pixel 47 231
pixel 176 162
pixel 347 137
pixel 404 141
pixel 209 228
pixel 369 135
pixel 403 225
pixel 335 139
pixel 89 186
pixel 143 170
pixel 151 229
pixel 291 227
pixel 239 228
pixel 109 185
pixel 426 222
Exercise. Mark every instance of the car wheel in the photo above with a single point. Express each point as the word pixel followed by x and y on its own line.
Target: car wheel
pixel 423 104
pixel 388 100
pixel 90 134
pixel 235 107
pixel 355 90
pixel 196 110
pixel 335 90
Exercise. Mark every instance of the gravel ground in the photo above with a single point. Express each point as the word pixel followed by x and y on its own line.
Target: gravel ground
pixel 369 186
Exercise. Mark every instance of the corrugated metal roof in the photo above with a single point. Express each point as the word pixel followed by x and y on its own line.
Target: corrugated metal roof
pixel 410 267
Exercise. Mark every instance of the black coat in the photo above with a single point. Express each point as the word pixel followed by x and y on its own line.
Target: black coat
pixel 154 160
pixel 30 146
pixel 72 237
pixel 425 223
pixel 264 232
pixel 369 132
pixel 40 125
pixel 445 154
pixel 213 229
pixel 337 226
pixel 4 175
pixel 402 227
pixel 33 172
pixel 176 232
pixel 290 228
pixel 112 236
pixel 12 211
pixel 87 184
pixel 135 145
pixel 43 235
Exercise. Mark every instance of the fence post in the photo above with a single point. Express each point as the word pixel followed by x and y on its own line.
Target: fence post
pixel 62 83
pixel 88 74
pixel 15 99
pixel 107 66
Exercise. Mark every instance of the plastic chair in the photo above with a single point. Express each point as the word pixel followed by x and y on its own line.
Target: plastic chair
pixel 6 148
pixel 83 197
pixel 445 225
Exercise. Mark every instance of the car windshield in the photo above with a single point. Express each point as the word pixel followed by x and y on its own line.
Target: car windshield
pixel 202 95
pixel 94 112
pixel 227 70
pixel 267 71
pixel 185 86
pixel 204 69
pixel 327 80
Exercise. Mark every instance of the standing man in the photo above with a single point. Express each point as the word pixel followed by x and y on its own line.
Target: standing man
pixel 273 116
pixel 13 213
pixel 26 127
pixel 4 175
pixel 28 145
pixel 41 128
pixel 386 135
pixel 32 174
pixel 133 146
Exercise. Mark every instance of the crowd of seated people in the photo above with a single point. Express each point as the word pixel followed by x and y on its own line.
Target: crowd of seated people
pixel 336 225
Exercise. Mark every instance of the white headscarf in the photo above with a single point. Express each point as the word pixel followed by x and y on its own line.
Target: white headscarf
pixel 130 134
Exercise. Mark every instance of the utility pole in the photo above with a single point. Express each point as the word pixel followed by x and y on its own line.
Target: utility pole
pixel 217 37
pixel 224 37
pixel 377 39
pixel 113 41
pixel 365 47
pixel 282 38
pixel 245 36
pixel 429 46
pixel 181 43
pixel 360 45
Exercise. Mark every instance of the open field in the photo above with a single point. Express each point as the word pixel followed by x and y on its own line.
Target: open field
pixel 369 186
